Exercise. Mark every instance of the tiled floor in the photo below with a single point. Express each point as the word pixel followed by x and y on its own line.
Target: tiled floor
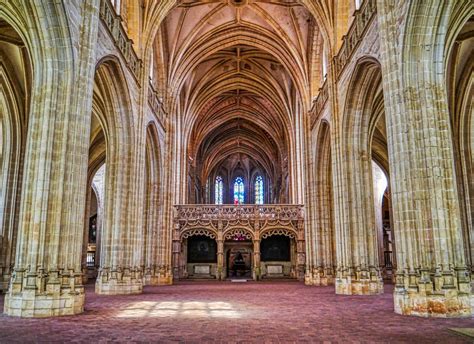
pixel 234 312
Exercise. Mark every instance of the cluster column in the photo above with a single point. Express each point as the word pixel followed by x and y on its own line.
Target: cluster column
pixel 47 277
pixel 220 254
pixel 432 279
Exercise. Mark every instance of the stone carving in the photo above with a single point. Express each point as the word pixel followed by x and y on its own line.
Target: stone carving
pixel 199 231
pixel 279 231
pixel 113 22
pixel 232 212
pixel 238 232
pixel 156 105
pixel 275 269
pixel 355 34
pixel 319 103
pixel 238 222
pixel 202 269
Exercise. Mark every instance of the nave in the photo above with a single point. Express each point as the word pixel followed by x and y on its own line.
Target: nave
pixel 149 143
pixel 198 312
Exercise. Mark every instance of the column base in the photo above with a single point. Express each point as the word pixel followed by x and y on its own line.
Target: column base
pixel 117 282
pixel 34 305
pixel 450 304
pixel 4 282
pixel 158 280
pixel 434 293
pixel 44 294
pixel 318 278
pixel 158 276
pixel 348 286
pixel 85 276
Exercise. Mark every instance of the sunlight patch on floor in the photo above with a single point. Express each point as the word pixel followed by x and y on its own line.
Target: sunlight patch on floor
pixel 191 309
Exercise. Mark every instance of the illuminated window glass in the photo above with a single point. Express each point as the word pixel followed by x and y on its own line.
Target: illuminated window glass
pixel 116 4
pixel 152 67
pixel 239 191
pixel 219 192
pixel 259 190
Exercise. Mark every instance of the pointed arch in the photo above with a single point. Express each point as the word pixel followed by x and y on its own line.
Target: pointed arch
pixel 153 242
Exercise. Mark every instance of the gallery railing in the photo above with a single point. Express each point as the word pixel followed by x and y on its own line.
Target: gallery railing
pixel 319 103
pixel 113 22
pixel 363 17
pixel 286 212
pixel 156 105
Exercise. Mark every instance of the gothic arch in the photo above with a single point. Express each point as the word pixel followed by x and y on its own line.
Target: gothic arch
pixel 198 231
pixel 356 244
pixel 237 230
pixel 155 243
pixel 13 130
pixel 321 237
pixel 111 104
pixel 460 90
pixel 278 230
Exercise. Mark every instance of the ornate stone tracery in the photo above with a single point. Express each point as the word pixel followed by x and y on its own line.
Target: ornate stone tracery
pixel 237 232
pixel 239 223
pixel 278 231
pixel 198 231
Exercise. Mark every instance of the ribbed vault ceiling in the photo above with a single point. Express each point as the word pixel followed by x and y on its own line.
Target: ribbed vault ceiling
pixel 239 73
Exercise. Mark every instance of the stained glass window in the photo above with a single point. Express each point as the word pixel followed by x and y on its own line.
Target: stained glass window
pixel 259 190
pixel 239 191
pixel 219 192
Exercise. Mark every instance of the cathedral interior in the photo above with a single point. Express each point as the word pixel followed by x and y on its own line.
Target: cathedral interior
pixel 286 170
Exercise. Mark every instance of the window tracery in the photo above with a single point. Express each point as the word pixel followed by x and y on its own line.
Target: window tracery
pixel 239 191
pixel 219 190
pixel 259 190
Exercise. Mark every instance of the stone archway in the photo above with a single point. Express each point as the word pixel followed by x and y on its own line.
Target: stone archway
pixel 279 253
pixel 198 254
pixel 239 254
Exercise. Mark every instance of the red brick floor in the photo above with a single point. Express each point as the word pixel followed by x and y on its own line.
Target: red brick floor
pixel 234 312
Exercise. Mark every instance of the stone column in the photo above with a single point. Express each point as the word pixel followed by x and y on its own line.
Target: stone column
pixel 432 279
pixel 256 260
pixel 176 251
pixel 220 258
pixel 121 246
pixel 300 252
pixel 357 271
pixel 85 275
pixel 256 273
pixel 47 278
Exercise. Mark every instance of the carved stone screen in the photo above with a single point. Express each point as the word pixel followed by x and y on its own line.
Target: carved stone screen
pixel 202 249
pixel 275 248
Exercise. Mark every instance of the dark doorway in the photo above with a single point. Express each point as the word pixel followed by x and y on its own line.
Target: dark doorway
pixel 239 261
pixel 275 248
pixel 202 249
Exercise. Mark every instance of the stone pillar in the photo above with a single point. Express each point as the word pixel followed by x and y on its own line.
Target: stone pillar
pixel 321 269
pixel 357 271
pixel 47 277
pixel 85 242
pixel 300 252
pixel 432 279
pixel 120 269
pixel 256 260
pixel 220 258
pixel 176 252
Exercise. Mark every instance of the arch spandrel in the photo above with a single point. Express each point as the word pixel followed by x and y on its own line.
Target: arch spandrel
pixel 279 230
pixel 240 231
pixel 194 231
